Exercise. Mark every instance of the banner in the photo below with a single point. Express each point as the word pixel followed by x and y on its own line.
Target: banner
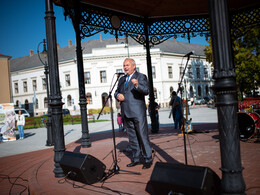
pixel 7 122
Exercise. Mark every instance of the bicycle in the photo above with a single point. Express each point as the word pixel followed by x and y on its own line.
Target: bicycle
pixel 43 122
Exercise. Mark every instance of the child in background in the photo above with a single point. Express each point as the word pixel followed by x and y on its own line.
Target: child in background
pixel 119 121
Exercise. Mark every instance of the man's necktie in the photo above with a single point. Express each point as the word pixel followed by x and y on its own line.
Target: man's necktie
pixel 127 80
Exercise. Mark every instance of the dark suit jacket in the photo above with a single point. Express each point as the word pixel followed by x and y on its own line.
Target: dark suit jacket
pixel 134 104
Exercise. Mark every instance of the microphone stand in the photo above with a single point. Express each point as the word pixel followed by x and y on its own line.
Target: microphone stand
pixel 183 121
pixel 115 169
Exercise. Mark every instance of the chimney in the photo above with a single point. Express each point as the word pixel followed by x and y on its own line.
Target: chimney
pixel 31 52
pixel 58 45
pixel 100 37
pixel 70 43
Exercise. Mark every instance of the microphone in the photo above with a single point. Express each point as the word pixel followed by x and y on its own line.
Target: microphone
pixel 188 54
pixel 120 73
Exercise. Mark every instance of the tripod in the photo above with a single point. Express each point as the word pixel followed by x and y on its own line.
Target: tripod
pixel 115 169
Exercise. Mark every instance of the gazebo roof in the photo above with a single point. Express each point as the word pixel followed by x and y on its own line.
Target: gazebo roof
pixel 162 8
pixel 165 18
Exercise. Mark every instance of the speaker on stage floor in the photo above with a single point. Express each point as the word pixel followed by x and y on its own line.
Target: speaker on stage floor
pixel 169 178
pixel 82 167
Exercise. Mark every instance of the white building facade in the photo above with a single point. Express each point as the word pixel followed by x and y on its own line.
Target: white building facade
pixel 100 66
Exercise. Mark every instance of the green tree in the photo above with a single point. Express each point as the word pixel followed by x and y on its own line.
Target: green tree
pixel 246 60
pixel 208 50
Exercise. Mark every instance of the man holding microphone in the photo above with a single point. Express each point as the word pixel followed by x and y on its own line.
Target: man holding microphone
pixel 131 91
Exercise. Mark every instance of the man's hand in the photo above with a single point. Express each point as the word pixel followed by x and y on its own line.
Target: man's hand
pixel 135 82
pixel 120 97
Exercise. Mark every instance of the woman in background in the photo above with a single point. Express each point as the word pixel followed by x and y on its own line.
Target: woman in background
pixel 20 124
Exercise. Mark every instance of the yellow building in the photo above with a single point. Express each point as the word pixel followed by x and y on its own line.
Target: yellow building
pixel 5 86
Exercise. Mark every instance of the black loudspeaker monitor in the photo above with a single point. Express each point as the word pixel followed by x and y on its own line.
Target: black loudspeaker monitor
pixel 82 167
pixel 169 178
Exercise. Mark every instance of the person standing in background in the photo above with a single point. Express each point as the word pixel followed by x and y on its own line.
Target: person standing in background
pixel 157 107
pixel 119 121
pixel 192 101
pixel 173 110
pixel 20 124
pixel 176 110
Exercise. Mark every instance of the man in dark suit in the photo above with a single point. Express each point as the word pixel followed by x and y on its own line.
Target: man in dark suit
pixel 131 90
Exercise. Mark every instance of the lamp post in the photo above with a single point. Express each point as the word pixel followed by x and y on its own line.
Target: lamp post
pixel 49 141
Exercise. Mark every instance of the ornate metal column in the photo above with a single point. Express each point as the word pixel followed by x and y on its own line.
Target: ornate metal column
pixel 226 99
pixel 85 143
pixel 55 94
pixel 150 78
pixel 49 141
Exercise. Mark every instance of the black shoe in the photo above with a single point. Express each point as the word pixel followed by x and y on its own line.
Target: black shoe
pixel 147 165
pixel 132 164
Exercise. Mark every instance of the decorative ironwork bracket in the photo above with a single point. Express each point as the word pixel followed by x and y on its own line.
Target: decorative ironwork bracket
pixel 153 40
pixel 244 20
pixel 95 19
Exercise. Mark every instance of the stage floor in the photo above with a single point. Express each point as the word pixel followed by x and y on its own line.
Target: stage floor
pixel 33 172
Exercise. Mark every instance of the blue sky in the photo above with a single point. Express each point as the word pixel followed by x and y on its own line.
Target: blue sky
pixel 23 27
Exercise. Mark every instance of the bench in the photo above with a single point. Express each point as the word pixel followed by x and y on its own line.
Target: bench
pixel 30 121
pixel 78 118
pixel 91 117
pixel 75 118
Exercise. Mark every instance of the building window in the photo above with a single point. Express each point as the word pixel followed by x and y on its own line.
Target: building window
pixel 207 90
pixel 181 71
pixel 16 89
pixel 37 104
pixel 44 86
pixel 198 72
pixel 205 73
pixel 45 102
pixel 212 71
pixel 17 103
pixel 103 76
pixel 119 70
pixel 89 98
pixel 26 105
pixel 104 97
pixel 87 77
pixel 190 72
pixel 153 72
pixel 199 90
pixel 34 84
pixel 155 93
pixel 69 100
pixel 25 86
pixel 170 72
pixel 67 80
pixel 191 91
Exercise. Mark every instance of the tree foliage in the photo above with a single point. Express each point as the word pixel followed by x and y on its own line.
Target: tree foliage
pixel 246 59
pixel 208 51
